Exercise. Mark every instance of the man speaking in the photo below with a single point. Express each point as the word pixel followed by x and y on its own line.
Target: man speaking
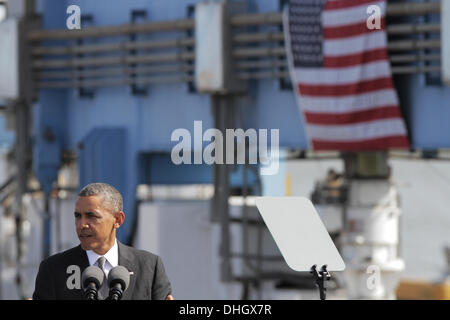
pixel 98 213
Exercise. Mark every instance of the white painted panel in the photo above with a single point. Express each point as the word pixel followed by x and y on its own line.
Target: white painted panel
pixel 9 59
pixel 209 50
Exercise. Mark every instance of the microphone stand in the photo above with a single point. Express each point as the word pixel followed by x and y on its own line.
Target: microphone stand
pixel 321 276
pixel 91 292
pixel 116 292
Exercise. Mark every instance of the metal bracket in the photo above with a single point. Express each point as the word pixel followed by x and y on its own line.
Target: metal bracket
pixel 190 33
pixel 136 89
pixel 284 84
pixel 84 92
pixel 321 276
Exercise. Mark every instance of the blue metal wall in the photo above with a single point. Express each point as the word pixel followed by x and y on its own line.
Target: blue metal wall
pixel 148 121
pixel 430 114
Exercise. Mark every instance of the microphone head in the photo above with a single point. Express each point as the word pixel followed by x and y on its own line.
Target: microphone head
pixel 120 275
pixel 92 274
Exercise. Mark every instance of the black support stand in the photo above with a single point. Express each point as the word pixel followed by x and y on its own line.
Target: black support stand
pixel 321 276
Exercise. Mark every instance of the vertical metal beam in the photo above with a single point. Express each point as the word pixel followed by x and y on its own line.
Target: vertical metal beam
pixel 22 158
pixel 58 222
pixel 220 210
pixel 24 11
pixel 21 149
pixel 21 8
pixel 445 37
pixel 47 228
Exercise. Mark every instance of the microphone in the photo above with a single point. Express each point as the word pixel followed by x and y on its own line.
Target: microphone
pixel 92 280
pixel 118 281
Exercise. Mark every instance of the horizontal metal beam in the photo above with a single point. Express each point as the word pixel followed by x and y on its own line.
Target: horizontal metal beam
pixel 115 82
pixel 258 37
pixel 177 57
pixel 118 60
pixel 413 44
pixel 108 47
pixel 282 63
pixel 273 74
pixel 186 24
pixel 396 58
pixel 397 9
pixel 189 24
pixel 263 75
pixel 167 68
pixel 395 29
pixel 184 42
pixel 105 72
pixel 108 31
pixel 397 45
pixel 415 69
pixel 272 63
pixel 241 65
pixel 411 28
pixel 243 20
pixel 392 45
pixel 259 52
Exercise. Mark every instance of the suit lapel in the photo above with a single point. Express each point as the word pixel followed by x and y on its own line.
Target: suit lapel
pixel 126 259
pixel 80 258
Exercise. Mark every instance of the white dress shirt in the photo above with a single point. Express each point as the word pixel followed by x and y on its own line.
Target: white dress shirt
pixel 112 257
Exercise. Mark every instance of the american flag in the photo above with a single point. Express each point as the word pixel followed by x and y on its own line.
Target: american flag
pixel 341 75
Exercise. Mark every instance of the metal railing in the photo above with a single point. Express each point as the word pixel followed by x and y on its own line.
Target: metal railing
pixel 111 31
pixel 172 60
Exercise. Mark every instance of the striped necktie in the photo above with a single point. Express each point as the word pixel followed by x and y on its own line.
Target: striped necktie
pixel 103 291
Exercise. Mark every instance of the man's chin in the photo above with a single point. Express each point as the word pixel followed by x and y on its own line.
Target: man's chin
pixel 87 243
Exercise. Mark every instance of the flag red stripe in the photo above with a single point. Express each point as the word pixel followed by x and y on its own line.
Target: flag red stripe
pixel 355 59
pixel 393 142
pixel 345 89
pixel 353 117
pixel 350 30
pixel 334 5
pixel 346 49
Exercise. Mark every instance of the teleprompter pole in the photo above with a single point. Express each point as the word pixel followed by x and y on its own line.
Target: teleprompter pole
pixel 321 277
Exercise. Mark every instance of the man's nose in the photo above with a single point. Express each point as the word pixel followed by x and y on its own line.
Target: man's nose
pixel 83 223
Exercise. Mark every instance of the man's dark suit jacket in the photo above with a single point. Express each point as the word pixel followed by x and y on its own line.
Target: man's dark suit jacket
pixel 149 281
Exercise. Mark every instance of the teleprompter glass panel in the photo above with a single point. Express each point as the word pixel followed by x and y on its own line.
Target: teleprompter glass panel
pixel 299 233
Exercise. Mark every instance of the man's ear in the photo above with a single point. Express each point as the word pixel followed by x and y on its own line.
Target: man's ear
pixel 120 217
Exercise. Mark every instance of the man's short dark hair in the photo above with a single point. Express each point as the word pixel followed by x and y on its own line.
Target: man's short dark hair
pixel 112 197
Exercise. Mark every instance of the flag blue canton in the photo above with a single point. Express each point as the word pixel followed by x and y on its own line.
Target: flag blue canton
pixel 305 26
